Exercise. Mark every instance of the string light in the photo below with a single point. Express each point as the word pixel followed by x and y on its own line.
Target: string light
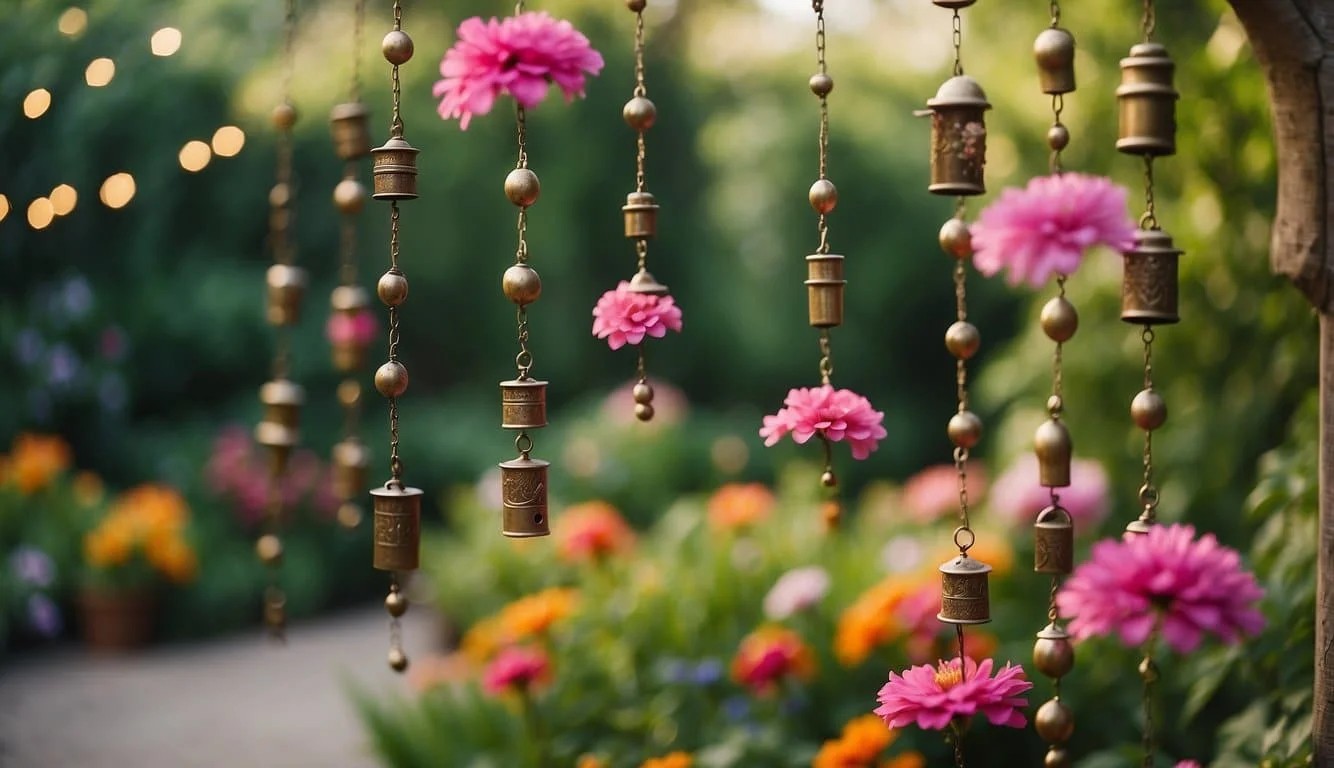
pixel 228 141
pixel 195 155
pixel 165 41
pixel 72 22
pixel 99 72
pixel 118 190
pixel 63 199
pixel 40 213
pixel 36 103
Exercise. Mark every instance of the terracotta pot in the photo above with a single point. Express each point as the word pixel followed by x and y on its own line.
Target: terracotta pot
pixel 117 620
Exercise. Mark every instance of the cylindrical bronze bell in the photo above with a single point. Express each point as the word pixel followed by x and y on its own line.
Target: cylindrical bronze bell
pixel 1147 102
pixel 1054 448
pixel 1149 280
pixel 958 137
pixel 641 216
pixel 351 136
pixel 394 170
pixel 523 484
pixel 965 597
pixel 397 527
pixel 1054 50
pixel 523 404
pixel 349 353
pixel 824 289
pixel 351 458
pixel 279 431
pixel 287 286
pixel 1054 541
pixel 645 282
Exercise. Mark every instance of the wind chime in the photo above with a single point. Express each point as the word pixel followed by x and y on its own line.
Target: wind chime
pixel 397 507
pixel 351 324
pixel 1146 100
pixel 282 398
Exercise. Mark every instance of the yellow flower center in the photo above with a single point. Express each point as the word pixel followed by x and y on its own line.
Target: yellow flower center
pixel 948 676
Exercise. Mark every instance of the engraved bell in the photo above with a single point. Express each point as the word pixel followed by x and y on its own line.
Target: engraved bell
pixel 279 430
pixel 351 136
pixel 1149 280
pixel 641 216
pixel 824 289
pixel 523 484
pixel 397 527
pixel 1054 541
pixel 394 170
pixel 351 459
pixel 965 597
pixel 523 404
pixel 349 351
pixel 1147 102
pixel 287 286
pixel 1054 448
pixel 1054 50
pixel 958 137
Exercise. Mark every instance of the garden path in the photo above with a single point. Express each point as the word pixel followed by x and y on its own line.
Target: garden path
pixel 238 701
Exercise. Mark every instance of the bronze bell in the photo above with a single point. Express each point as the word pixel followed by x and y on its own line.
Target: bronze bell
pixel 958 137
pixel 965 597
pixel 349 354
pixel 351 458
pixel 523 404
pixel 644 282
pixel 523 483
pixel 824 289
pixel 287 286
pixel 641 216
pixel 1149 280
pixel 394 170
pixel 1054 541
pixel 1054 50
pixel 279 430
pixel 397 527
pixel 351 136
pixel 1147 102
pixel 1054 448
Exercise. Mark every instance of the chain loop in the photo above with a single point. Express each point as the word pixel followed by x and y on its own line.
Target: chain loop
pixel 957 26
pixel 826 357
pixel 1149 21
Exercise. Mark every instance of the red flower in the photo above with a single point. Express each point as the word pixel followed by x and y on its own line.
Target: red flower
pixel 932 697
pixel 592 531
pixel 770 654
pixel 516 668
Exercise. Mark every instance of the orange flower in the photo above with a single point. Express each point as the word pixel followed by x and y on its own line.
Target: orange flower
pixel 88 489
pixel 740 505
pixel 152 507
pixel 536 613
pixel 592 761
pixel 35 461
pixel 108 545
pixel 905 760
pixel 171 555
pixel 674 760
pixel 770 654
pixel 592 531
pixel 862 741
pixel 482 640
pixel 869 622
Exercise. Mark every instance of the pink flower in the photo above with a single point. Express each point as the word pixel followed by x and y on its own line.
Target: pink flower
pixel 516 669
pixel 351 328
pixel 934 492
pixel 1016 496
pixel 932 697
pixel 769 655
pixel 1045 228
pixel 798 590
pixel 1165 578
pixel 519 55
pixel 1189 764
pixel 835 414
pixel 623 316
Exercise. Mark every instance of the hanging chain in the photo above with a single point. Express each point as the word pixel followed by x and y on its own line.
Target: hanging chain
pixel 1054 9
pixel 1057 107
pixel 395 463
pixel 358 30
pixel 641 91
pixel 1148 672
pixel 958 43
pixel 396 122
pixel 820 50
pixel 1148 493
pixel 826 357
pixel 1149 21
pixel 1149 219
pixel 961 394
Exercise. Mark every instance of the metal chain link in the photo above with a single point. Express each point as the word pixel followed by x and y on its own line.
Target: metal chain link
pixel 358 30
pixel 958 43
pixel 1149 220
pixel 826 357
pixel 821 60
pixel 1149 21
pixel 1148 493
pixel 1054 8
pixel 396 121
pixel 961 394
pixel 395 463
pixel 1057 107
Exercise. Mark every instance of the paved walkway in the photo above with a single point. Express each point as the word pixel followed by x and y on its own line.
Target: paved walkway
pixel 240 702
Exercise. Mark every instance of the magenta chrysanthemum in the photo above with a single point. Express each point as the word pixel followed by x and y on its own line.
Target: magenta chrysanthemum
pixel 519 55
pixel 932 697
pixel 835 414
pixel 623 316
pixel 516 669
pixel 1045 228
pixel 1164 578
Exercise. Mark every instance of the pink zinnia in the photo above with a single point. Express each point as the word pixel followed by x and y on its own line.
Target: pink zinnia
pixel 932 697
pixel 516 669
pixel 1165 578
pixel 623 316
pixel 835 414
pixel 800 589
pixel 933 492
pixel 1016 497
pixel 1045 228
pixel 351 328
pixel 519 55
pixel 769 655
pixel 1188 764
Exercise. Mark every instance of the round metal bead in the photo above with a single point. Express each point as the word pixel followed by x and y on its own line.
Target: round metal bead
pixel 636 5
pixel 349 515
pixel 349 393
pixel 1058 137
pixel 396 604
pixel 397 47
pixel 283 116
pixel 1054 722
pixel 823 196
pixel 280 195
pixel 391 379
pixel 1148 670
pixel 1053 656
pixel 1148 409
pixel 392 288
pixel 965 429
pixel 821 84
pixel 828 479
pixel 643 411
pixel 270 549
pixel 955 239
pixel 349 197
pixel 962 339
pixel 521 284
pixel 522 187
pixel 1055 405
pixel 1059 319
pixel 640 114
pixel 643 393
pixel 1057 757
pixel 398 661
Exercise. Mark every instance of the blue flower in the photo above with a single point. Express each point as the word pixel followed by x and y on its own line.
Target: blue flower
pixel 33 567
pixel 707 672
pixel 43 616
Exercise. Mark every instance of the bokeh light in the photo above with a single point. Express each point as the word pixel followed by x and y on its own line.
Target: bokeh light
pixel 72 22
pixel 41 213
pixel 63 199
pixel 36 103
pixel 99 72
pixel 4 207
pixel 118 190
pixel 165 41
pixel 195 155
pixel 228 141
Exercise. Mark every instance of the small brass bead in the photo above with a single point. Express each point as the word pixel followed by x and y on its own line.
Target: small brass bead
pixel 521 284
pixel 391 379
pixel 955 239
pixel 965 429
pixel 823 196
pixel 392 288
pixel 640 114
pixel 1054 722
pixel 1148 670
pixel 962 339
pixel 1053 657
pixel 829 479
pixel 1148 409
pixel 1059 319
pixel 1055 405
pixel 1058 137
pixel 349 393
pixel 821 84
pixel 396 604
pixel 270 549
pixel 398 661
pixel 397 47
pixel 349 197
pixel 283 116
pixel 522 187
pixel 636 5
pixel 349 515
pixel 643 393
pixel 1057 757
pixel 280 195
pixel 643 411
